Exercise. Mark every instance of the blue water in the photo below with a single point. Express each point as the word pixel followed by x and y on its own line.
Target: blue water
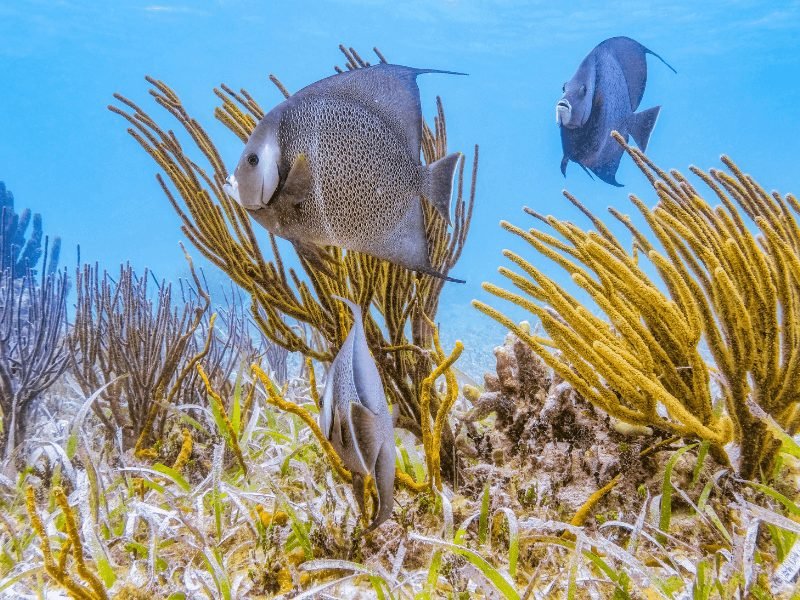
pixel 62 153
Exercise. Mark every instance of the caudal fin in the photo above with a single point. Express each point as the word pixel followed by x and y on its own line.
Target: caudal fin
pixel 641 126
pixel 438 186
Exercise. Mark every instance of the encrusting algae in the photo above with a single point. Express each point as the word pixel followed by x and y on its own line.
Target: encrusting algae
pixel 724 292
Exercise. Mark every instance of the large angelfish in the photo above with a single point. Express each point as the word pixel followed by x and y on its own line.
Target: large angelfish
pixel 355 417
pixel 338 164
pixel 601 97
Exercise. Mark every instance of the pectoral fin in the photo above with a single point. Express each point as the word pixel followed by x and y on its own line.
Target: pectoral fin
pixel 365 435
pixel 298 182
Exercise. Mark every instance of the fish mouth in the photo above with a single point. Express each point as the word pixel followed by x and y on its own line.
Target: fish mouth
pixel 563 112
pixel 231 187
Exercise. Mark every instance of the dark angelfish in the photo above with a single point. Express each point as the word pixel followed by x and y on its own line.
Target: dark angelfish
pixel 338 164
pixel 355 417
pixel 601 97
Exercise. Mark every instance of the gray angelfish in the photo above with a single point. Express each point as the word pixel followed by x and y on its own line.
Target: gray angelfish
pixel 601 97
pixel 355 417
pixel 338 164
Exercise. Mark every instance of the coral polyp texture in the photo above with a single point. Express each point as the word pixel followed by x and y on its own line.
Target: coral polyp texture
pixel 716 308
pixel 398 332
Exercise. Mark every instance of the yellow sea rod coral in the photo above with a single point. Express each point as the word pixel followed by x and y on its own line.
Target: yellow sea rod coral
pixel 727 288
pixel 193 178
pixel 58 570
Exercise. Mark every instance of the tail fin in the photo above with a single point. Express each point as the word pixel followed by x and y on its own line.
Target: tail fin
pixel 641 126
pixel 438 185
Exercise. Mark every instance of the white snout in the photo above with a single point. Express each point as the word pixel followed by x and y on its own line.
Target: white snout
pixel 253 183
pixel 563 112
pixel 231 187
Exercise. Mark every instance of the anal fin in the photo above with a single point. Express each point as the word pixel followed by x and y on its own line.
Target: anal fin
pixel 316 256
pixel 384 482
pixel 358 491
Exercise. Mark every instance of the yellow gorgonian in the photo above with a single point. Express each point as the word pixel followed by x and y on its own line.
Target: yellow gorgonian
pixel 399 336
pixel 727 288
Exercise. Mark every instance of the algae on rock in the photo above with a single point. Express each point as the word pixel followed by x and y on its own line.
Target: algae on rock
pixel 555 448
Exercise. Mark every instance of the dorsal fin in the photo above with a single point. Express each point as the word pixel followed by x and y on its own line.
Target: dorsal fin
pixel 631 56
pixel 355 308
pixel 390 90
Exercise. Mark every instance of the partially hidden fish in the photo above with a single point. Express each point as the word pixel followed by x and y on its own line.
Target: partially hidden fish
pixel 338 164
pixel 601 97
pixel 354 416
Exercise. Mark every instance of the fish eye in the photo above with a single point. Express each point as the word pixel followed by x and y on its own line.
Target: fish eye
pixel 564 88
pixel 252 160
pixel 583 90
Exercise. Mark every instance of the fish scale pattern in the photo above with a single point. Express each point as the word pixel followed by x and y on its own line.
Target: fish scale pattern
pixel 344 392
pixel 336 136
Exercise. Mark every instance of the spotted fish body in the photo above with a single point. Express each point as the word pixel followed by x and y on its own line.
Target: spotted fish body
pixel 603 96
pixel 343 167
pixel 354 416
